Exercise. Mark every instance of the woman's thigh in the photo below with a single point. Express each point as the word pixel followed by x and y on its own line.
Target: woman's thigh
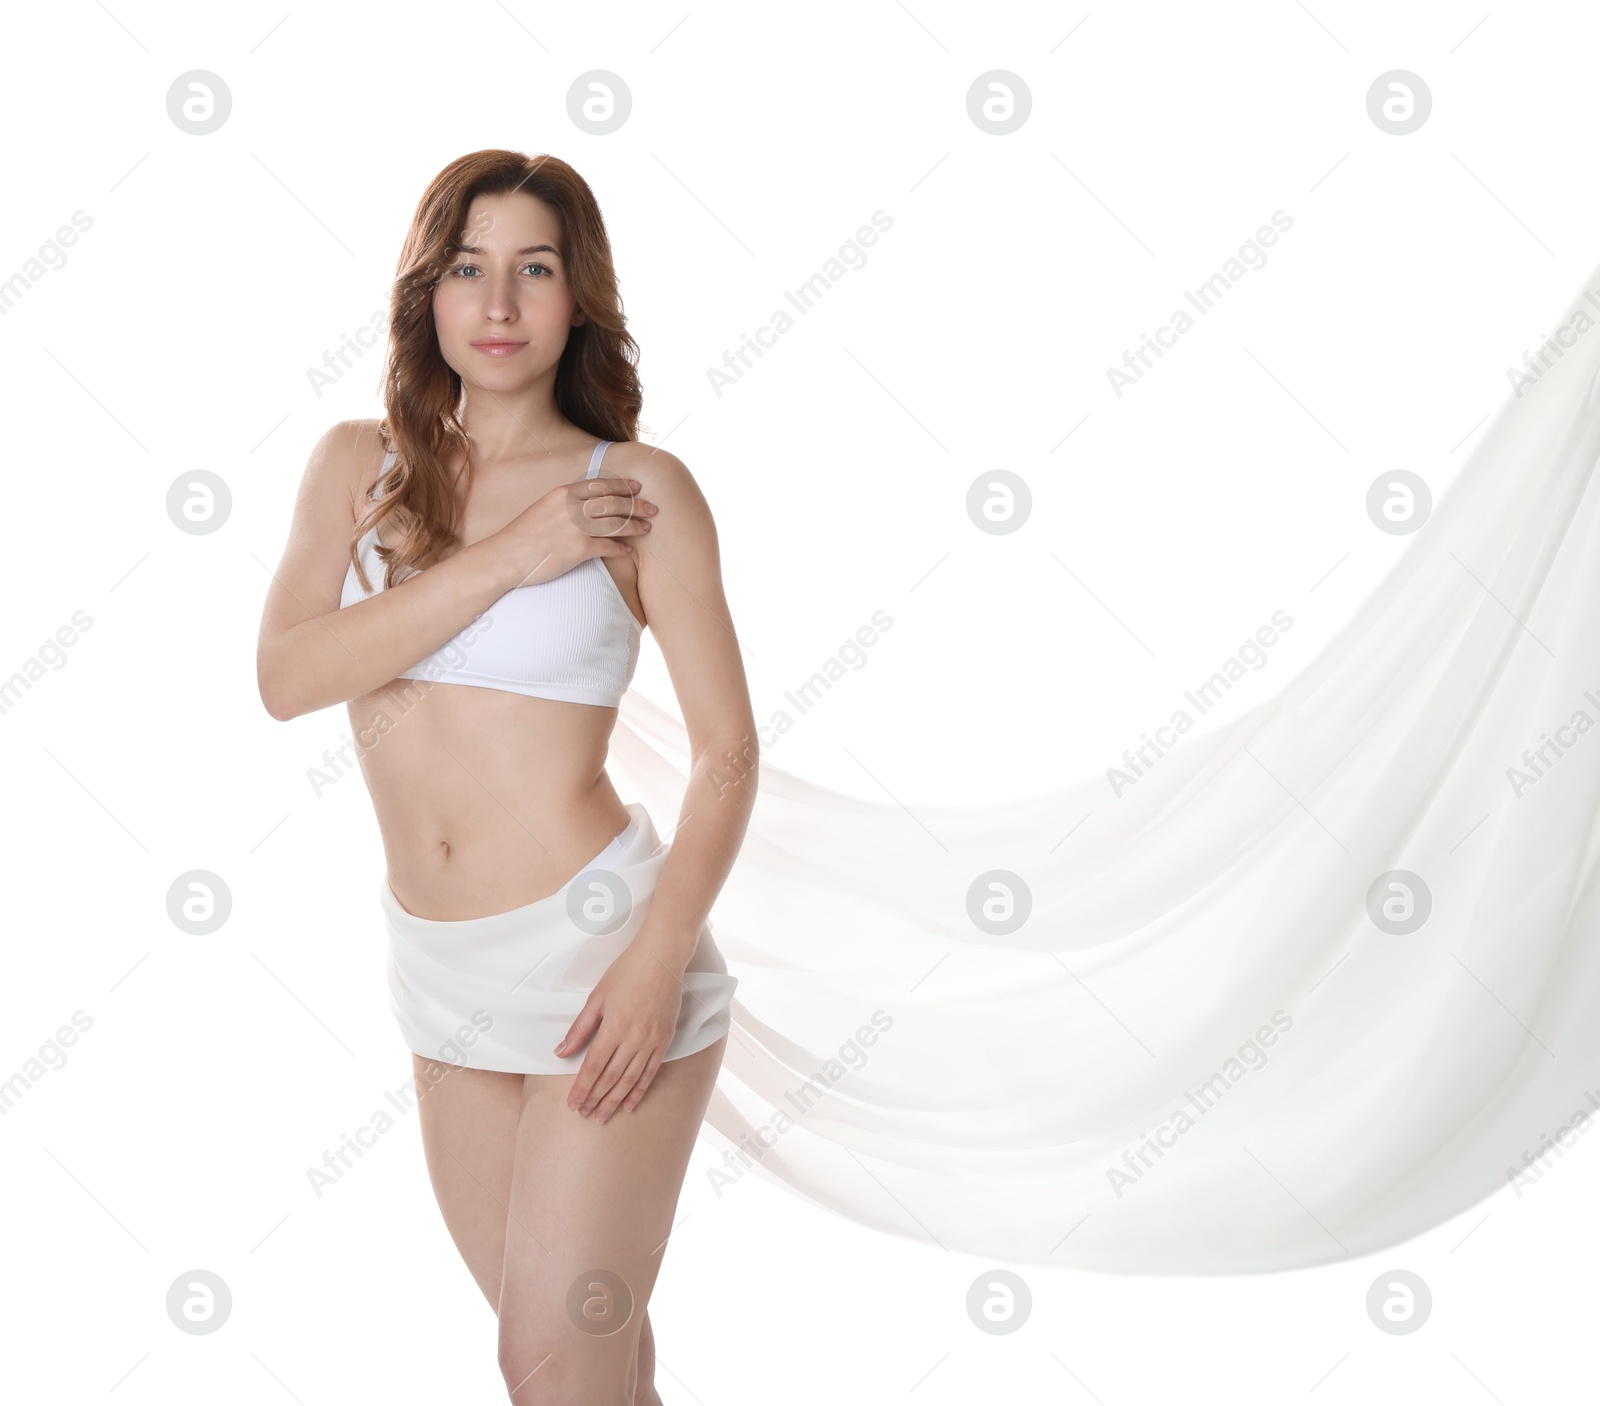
pixel 469 1129
pixel 591 1208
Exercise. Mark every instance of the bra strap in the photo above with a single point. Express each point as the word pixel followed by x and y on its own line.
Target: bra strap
pixel 596 457
pixel 388 459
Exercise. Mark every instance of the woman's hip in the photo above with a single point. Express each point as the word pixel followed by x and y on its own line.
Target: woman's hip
pixel 499 992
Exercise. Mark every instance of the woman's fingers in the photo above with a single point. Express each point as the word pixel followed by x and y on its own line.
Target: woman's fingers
pixel 624 1073
pixel 615 508
pixel 632 1100
pixel 593 1085
pixel 618 526
pixel 581 1094
pixel 624 1085
pixel 604 1082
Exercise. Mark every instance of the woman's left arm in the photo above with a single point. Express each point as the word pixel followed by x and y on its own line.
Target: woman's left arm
pixel 680 587
pixel 632 1011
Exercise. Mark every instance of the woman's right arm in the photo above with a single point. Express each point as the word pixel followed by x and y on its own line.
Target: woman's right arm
pixel 310 653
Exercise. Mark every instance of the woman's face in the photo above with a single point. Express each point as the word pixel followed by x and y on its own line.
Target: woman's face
pixel 508 284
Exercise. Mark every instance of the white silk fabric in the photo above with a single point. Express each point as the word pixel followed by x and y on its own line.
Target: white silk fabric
pixel 1202 1052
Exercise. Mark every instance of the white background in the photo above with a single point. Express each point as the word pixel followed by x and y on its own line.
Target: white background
pixel 1167 526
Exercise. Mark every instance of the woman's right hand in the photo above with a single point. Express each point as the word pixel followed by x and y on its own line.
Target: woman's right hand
pixel 592 517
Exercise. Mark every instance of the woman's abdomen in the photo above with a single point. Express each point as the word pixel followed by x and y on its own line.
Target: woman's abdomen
pixel 486 800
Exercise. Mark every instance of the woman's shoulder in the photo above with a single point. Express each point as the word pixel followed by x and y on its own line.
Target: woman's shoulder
pixel 665 480
pixel 652 465
pixel 361 448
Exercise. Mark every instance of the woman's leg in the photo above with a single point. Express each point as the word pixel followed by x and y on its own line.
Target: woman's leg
pixel 590 1211
pixel 644 1386
pixel 469 1123
pixel 469 1128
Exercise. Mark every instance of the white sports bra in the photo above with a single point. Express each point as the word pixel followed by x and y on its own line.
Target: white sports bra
pixel 572 638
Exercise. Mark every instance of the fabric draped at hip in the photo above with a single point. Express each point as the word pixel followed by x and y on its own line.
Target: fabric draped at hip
pixel 499 992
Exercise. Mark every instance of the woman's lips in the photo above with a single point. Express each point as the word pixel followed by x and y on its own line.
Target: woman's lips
pixel 499 348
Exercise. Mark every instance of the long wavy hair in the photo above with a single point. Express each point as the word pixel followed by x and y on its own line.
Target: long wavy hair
pixel 597 384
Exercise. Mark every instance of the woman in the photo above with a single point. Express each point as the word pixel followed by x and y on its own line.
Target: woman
pixel 471 575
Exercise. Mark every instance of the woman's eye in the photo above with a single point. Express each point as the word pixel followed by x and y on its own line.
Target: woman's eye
pixel 464 268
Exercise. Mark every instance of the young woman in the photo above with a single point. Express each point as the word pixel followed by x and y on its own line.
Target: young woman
pixel 471 575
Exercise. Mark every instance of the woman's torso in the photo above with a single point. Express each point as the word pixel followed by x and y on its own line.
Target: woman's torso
pixel 488 799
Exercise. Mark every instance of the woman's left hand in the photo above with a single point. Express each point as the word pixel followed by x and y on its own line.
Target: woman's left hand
pixel 633 1015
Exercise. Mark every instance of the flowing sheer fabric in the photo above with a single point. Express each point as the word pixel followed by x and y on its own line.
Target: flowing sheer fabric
pixel 1201 1053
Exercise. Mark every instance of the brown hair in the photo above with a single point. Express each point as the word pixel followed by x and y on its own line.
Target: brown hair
pixel 596 387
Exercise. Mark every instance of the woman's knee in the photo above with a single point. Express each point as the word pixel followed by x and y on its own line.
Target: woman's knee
pixel 553 1364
